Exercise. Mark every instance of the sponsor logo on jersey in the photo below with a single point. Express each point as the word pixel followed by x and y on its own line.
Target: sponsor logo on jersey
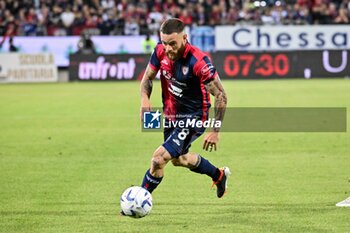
pixel 167 75
pixel 175 90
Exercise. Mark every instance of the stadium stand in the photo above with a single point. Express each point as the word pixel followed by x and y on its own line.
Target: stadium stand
pixel 122 17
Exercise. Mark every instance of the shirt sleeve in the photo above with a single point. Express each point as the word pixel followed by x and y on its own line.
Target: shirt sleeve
pixel 154 61
pixel 205 70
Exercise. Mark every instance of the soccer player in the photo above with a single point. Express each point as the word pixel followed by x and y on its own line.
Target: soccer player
pixel 187 77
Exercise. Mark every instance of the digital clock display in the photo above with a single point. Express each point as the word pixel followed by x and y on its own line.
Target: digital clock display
pixel 261 65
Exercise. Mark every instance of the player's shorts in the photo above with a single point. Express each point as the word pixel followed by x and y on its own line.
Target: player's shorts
pixel 177 141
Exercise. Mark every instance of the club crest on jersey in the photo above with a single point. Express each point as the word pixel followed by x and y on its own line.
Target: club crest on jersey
pixel 185 70
pixel 167 75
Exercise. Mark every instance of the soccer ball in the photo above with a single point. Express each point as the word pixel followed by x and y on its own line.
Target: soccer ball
pixel 136 202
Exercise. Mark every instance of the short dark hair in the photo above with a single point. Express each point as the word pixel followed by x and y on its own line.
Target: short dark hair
pixel 170 26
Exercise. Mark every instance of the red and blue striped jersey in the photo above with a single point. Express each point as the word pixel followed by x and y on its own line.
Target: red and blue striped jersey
pixel 183 82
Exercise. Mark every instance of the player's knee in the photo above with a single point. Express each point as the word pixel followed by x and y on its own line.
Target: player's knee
pixel 176 162
pixel 181 161
pixel 189 160
pixel 157 160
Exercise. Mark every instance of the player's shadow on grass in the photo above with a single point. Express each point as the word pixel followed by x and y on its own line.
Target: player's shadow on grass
pixel 244 208
pixel 189 204
pixel 258 216
pixel 170 209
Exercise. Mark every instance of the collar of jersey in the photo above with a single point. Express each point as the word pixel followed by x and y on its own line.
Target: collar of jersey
pixel 187 49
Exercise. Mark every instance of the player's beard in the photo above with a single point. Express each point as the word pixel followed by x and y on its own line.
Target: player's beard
pixel 176 55
pixel 172 56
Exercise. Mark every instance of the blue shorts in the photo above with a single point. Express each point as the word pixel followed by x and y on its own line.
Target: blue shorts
pixel 177 141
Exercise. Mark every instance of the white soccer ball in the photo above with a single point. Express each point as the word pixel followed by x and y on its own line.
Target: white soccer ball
pixel 136 202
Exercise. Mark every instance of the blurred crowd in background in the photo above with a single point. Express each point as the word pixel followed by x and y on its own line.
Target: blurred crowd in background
pixel 123 17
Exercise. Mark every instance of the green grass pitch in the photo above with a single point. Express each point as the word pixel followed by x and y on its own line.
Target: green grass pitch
pixel 67 152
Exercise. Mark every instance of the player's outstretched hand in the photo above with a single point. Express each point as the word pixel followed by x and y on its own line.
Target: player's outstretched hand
pixel 211 140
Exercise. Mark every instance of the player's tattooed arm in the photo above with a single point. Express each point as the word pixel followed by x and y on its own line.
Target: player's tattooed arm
pixel 216 89
pixel 146 90
pixel 146 83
